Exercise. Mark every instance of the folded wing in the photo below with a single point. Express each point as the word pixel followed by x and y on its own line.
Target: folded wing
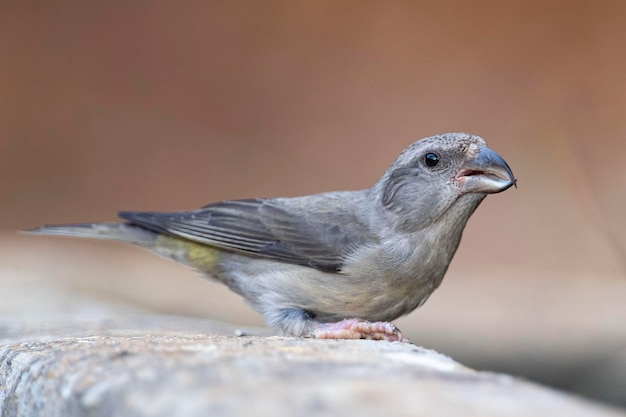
pixel 265 228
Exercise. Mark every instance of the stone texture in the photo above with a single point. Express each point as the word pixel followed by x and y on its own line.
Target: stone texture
pixel 135 366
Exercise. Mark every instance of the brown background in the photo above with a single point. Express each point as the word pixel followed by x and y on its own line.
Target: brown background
pixel 168 106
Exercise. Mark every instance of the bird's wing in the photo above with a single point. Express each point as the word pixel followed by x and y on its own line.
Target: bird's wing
pixel 265 228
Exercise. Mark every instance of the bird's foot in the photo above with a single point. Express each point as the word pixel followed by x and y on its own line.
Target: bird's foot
pixel 358 329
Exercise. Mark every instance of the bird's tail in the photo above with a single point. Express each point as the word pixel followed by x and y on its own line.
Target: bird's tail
pixel 196 255
pixel 118 232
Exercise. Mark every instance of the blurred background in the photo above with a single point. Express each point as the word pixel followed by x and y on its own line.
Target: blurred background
pixel 106 106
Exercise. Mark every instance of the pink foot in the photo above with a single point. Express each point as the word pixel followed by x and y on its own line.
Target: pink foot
pixel 358 329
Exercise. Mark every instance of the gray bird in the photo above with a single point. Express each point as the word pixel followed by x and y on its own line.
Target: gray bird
pixel 337 264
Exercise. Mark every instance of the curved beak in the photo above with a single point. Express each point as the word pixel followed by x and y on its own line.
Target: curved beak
pixel 485 173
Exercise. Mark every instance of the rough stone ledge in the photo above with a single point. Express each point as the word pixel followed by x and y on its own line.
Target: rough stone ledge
pixel 152 372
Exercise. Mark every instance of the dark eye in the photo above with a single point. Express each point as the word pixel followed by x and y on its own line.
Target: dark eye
pixel 431 159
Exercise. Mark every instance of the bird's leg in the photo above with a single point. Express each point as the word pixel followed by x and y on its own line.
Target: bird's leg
pixel 357 329
pixel 300 322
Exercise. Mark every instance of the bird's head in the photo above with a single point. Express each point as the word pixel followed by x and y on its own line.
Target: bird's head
pixel 444 174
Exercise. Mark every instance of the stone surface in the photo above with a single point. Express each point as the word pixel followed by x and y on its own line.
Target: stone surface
pixel 68 353
pixel 136 365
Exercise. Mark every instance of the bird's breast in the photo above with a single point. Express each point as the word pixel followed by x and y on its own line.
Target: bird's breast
pixel 398 276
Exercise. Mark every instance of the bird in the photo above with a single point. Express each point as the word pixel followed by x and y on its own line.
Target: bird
pixel 335 265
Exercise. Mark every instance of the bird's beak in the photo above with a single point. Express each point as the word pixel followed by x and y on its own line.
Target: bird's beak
pixel 485 173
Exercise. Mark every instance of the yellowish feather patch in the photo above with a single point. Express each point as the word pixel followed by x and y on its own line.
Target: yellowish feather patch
pixel 194 254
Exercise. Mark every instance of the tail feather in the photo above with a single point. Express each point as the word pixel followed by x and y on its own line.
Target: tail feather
pixel 118 232
pixel 187 252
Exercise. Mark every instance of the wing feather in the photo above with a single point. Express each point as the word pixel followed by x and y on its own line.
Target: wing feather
pixel 266 228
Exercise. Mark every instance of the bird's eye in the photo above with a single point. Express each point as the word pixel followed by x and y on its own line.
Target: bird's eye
pixel 431 159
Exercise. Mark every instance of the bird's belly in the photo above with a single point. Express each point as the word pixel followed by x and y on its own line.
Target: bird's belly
pixel 380 300
pixel 328 297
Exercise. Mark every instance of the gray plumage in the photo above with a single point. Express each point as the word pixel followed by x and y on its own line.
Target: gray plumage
pixel 374 254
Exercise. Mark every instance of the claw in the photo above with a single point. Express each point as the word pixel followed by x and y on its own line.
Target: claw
pixel 358 329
